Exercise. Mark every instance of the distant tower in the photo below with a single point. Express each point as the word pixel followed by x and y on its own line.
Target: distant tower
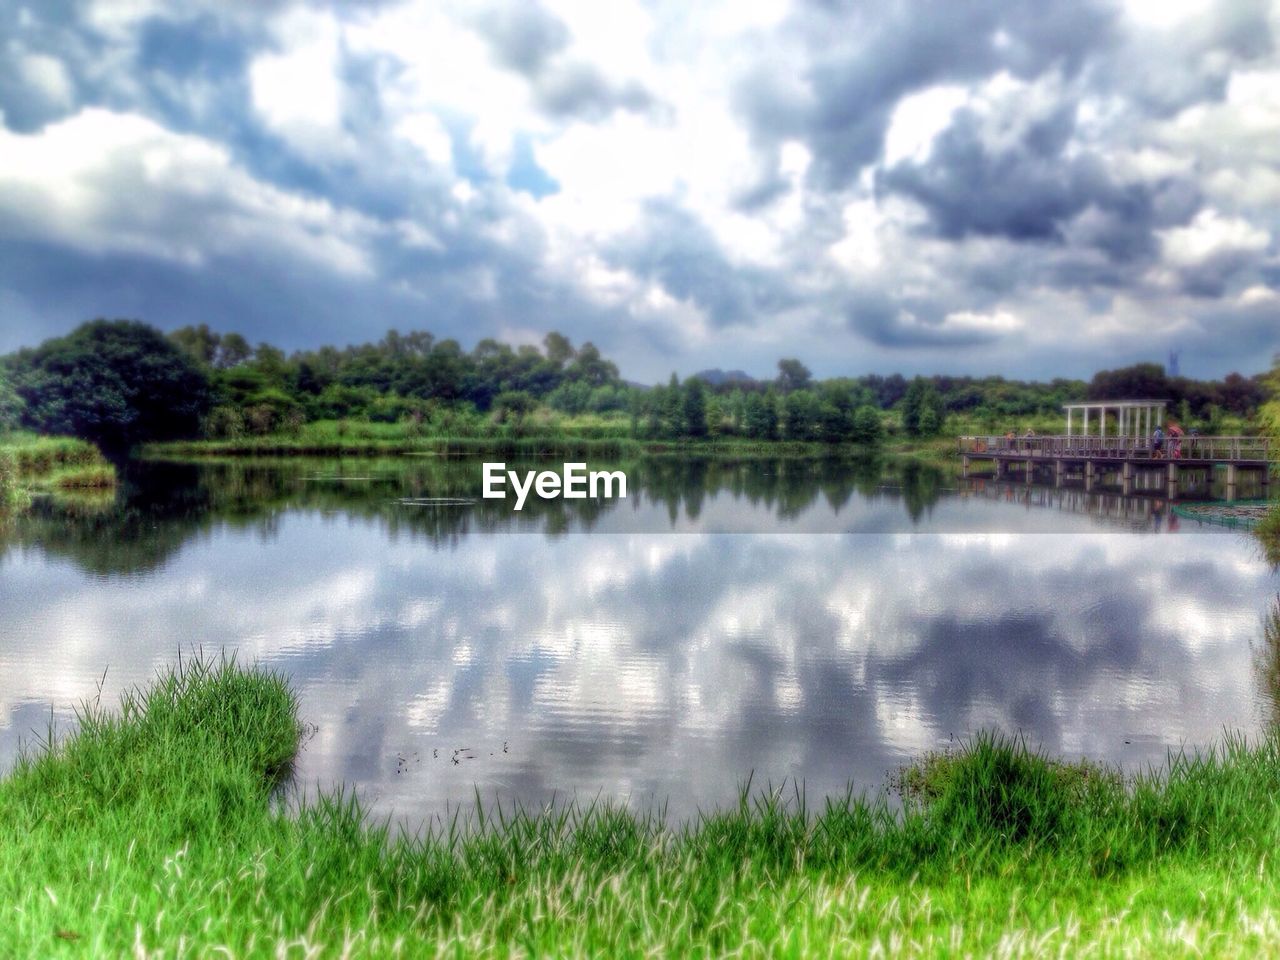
pixel 1171 368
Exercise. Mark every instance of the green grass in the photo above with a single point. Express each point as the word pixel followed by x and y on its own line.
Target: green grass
pixel 97 476
pixel 61 465
pixel 11 493
pixel 39 456
pixel 1267 530
pixel 586 435
pixel 153 831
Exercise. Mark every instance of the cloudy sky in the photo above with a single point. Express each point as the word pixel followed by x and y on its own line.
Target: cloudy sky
pixel 1010 186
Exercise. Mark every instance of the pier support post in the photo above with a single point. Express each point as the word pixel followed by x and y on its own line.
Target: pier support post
pixel 1231 481
pixel 964 465
pixel 1030 471
pixel 1173 481
pixel 1089 472
pixel 1059 468
pixel 1000 468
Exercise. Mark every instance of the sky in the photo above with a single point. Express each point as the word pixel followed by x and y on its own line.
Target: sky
pixel 1019 187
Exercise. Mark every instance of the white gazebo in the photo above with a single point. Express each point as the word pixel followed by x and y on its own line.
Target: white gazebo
pixel 1133 418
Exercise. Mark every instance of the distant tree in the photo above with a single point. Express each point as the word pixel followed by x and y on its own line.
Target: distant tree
pixel 559 349
pixel 570 397
pixel 200 342
pixel 760 418
pixel 886 390
pixel 930 420
pixel 233 350
pixel 672 413
pixel 114 382
pixel 1242 395
pixel 922 409
pixel 11 405
pixel 867 428
pixel 792 375
pixel 1141 381
pixel 310 378
pixel 800 413
pixel 271 362
pixel 835 411
pixel 695 408
pixel 590 367
pixel 512 406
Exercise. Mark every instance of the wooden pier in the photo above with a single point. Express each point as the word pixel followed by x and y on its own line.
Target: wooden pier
pixel 1130 459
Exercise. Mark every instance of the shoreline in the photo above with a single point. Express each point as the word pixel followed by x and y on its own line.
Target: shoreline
pixel 532 446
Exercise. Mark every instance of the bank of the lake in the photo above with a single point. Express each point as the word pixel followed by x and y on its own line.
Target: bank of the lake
pixel 330 438
pixel 61 465
pixel 153 829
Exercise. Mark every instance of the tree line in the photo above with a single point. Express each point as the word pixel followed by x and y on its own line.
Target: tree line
pixel 123 382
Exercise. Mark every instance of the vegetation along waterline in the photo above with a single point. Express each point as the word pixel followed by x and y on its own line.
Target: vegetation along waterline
pixel 157 829
pixel 60 465
pixel 123 383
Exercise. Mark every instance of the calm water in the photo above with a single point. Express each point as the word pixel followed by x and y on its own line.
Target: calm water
pixel 811 619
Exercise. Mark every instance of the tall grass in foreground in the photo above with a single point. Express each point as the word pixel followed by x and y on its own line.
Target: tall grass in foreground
pixel 152 831
pixel 1267 530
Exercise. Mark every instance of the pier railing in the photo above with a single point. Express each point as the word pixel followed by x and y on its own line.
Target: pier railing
pixel 1216 449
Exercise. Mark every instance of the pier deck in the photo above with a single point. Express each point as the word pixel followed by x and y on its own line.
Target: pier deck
pixel 1092 456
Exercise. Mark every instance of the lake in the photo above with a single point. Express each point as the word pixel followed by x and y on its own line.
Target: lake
pixel 815 620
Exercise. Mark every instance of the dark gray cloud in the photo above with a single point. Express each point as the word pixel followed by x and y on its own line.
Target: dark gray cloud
pixel 530 40
pixel 581 90
pixel 524 36
pixel 864 57
pixel 1032 190
pixel 672 247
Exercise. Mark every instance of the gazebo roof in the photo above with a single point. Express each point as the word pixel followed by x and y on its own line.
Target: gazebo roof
pixel 1114 404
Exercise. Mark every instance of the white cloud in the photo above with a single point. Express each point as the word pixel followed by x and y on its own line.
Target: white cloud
pixel 49 76
pixel 917 119
pixel 996 322
pixel 1210 236
pixel 425 131
pixel 105 182
pixel 1164 14
pixel 298 92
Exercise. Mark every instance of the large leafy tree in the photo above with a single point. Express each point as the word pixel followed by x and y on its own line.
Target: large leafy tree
pixel 115 382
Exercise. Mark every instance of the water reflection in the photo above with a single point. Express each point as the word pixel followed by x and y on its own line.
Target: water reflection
pixel 161 506
pixel 642 665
